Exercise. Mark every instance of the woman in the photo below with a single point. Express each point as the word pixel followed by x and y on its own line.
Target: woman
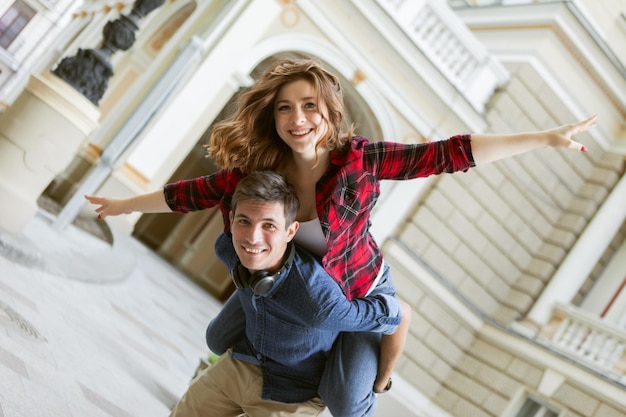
pixel 292 121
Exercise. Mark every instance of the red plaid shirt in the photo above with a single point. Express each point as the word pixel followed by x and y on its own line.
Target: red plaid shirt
pixel 345 196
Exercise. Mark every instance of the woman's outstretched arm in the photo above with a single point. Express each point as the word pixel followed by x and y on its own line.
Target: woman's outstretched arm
pixel 489 148
pixel 153 202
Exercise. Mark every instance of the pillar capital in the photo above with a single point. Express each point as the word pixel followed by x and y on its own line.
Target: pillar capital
pixel 39 135
pixel 59 95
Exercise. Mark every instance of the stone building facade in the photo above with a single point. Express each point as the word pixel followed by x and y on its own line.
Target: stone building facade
pixel 515 270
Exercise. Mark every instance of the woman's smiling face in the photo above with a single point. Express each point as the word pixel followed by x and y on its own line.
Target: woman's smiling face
pixel 299 116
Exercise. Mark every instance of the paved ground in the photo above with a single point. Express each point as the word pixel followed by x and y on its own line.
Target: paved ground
pixel 88 329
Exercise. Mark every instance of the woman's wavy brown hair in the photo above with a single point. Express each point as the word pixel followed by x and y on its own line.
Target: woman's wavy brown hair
pixel 248 139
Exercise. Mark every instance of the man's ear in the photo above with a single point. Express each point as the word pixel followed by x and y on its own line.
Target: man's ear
pixel 291 230
pixel 231 216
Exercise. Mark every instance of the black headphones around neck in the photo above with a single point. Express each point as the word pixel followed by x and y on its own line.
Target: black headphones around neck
pixel 261 282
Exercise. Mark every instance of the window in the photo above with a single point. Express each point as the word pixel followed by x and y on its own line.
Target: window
pixel 534 408
pixel 13 21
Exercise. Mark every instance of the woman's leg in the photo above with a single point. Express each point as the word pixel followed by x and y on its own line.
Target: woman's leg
pixel 360 362
pixel 346 385
pixel 225 251
pixel 391 347
pixel 358 365
pixel 223 333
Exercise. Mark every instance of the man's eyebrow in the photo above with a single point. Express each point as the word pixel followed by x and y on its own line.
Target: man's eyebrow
pixel 266 219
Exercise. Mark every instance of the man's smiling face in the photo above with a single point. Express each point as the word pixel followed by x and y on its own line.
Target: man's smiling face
pixel 260 235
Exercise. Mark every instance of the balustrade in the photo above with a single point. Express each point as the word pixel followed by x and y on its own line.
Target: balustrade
pixel 590 340
pixel 437 31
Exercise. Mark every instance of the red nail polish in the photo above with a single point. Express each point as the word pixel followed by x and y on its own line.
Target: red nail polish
pixel 583 149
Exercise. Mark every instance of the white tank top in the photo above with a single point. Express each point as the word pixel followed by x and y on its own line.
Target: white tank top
pixel 311 237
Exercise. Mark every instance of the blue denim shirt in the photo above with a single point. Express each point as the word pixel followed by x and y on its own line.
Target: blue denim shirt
pixel 290 331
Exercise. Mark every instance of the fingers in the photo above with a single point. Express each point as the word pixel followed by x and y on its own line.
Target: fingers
pixel 581 127
pixel 577 146
pixel 102 202
pixel 94 199
pixel 101 212
pixel 587 124
pixel 592 121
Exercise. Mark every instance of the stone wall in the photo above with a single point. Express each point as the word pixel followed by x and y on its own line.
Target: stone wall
pixel 493 237
pixel 499 232
pixel 463 372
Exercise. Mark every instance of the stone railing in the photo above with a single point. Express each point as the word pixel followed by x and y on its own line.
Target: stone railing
pixel 8 67
pixel 588 339
pixel 437 31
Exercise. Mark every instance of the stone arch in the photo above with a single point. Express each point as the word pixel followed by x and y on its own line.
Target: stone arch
pixel 361 95
pixel 183 240
pixel 170 26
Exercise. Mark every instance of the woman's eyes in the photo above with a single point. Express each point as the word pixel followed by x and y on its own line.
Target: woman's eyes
pixel 306 106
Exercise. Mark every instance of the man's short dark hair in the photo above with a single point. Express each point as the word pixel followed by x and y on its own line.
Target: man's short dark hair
pixel 267 186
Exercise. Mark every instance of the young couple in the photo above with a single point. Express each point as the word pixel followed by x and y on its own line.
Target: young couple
pixel 291 122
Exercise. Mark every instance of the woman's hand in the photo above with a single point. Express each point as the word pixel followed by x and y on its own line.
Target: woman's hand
pixel 153 202
pixel 561 137
pixel 109 206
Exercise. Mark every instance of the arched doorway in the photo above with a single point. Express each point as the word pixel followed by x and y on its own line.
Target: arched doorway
pixel 187 240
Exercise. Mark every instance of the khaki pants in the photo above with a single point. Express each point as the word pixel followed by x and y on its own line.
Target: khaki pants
pixel 230 388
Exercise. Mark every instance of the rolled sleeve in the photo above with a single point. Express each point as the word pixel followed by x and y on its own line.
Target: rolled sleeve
pixel 390 322
pixel 379 313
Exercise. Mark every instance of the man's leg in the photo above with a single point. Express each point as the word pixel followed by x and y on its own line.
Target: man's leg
pixel 266 408
pixel 230 388
pixel 347 383
pixel 254 406
pixel 214 392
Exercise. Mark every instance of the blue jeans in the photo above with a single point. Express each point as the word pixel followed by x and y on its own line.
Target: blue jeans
pixel 347 385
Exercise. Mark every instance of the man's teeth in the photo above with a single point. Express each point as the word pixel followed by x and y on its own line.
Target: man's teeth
pixel 253 250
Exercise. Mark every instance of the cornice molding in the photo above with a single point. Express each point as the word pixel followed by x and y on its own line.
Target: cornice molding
pixel 580 54
pixel 585 64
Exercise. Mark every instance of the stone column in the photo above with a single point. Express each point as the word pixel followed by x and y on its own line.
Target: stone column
pixel 39 135
pixel 42 131
pixel 89 70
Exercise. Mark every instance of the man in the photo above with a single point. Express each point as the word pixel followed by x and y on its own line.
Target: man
pixel 294 311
